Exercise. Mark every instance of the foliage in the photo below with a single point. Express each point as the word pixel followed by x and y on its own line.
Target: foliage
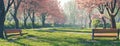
pixel 118 25
pixel 11 25
pixel 95 22
pixel 108 25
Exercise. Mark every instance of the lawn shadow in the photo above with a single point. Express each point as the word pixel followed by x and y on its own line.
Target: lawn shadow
pixel 69 41
pixel 66 41
pixel 16 40
pixel 63 30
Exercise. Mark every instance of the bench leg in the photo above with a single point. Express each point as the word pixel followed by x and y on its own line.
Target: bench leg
pixel 5 35
pixel 92 37
pixel 92 34
pixel 117 38
pixel 118 34
pixel 20 32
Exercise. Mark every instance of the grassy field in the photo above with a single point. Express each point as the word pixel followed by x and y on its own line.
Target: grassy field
pixel 58 37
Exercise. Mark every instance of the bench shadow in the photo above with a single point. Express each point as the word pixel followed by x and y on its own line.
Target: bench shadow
pixel 16 34
pixel 15 40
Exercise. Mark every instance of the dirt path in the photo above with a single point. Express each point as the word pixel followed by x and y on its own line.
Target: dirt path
pixel 78 33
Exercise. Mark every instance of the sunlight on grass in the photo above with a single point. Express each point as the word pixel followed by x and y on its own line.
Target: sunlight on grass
pixel 45 38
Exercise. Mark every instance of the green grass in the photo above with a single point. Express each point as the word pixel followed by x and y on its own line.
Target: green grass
pixel 47 37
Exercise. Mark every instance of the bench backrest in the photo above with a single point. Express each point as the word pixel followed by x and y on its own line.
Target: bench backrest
pixel 105 30
pixel 12 30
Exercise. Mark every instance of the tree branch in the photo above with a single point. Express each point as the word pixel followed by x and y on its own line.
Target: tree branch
pixel 117 11
pixel 108 11
pixel 114 5
pixel 9 4
pixel 11 13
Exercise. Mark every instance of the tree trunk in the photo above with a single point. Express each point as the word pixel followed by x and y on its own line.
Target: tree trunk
pixel 113 23
pixel 16 6
pixel 33 19
pixel 104 22
pixel 90 24
pixel 43 19
pixel 33 22
pixel 90 21
pixel 25 24
pixel 2 18
pixel 103 19
pixel 43 22
pixel 16 22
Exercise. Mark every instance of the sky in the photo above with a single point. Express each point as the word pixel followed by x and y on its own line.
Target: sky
pixel 63 1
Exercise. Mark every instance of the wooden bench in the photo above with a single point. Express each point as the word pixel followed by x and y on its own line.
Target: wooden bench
pixel 13 31
pixel 105 33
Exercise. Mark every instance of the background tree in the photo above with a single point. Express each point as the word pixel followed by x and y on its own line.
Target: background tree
pixel 71 12
pixel 50 7
pixel 4 7
pixel 101 9
pixel 2 18
pixel 43 7
pixel 113 9
pixel 15 11
pixel 89 6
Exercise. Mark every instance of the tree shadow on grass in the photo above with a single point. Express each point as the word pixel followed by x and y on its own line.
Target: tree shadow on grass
pixel 17 41
pixel 71 41
pixel 62 30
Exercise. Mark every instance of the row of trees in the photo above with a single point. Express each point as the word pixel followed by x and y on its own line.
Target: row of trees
pixel 51 11
pixel 111 6
pixel 29 9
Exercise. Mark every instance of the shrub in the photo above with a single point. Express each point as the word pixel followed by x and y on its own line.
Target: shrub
pixel 118 25
pixel 95 22
pixel 9 25
pixel 108 25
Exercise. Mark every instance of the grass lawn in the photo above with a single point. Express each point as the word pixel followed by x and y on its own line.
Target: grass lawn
pixel 57 37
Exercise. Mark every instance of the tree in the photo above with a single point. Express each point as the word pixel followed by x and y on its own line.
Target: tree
pixel 101 9
pixel 2 18
pixel 89 5
pixel 113 9
pixel 3 12
pixel 25 17
pixel 43 18
pixel 29 7
pixel 35 7
pixel 50 8
pixel 71 12
pixel 14 13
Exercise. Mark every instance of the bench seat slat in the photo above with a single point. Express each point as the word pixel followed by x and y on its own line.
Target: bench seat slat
pixel 13 31
pixel 105 34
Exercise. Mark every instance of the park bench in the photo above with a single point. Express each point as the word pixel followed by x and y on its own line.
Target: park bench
pixel 13 32
pixel 105 33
